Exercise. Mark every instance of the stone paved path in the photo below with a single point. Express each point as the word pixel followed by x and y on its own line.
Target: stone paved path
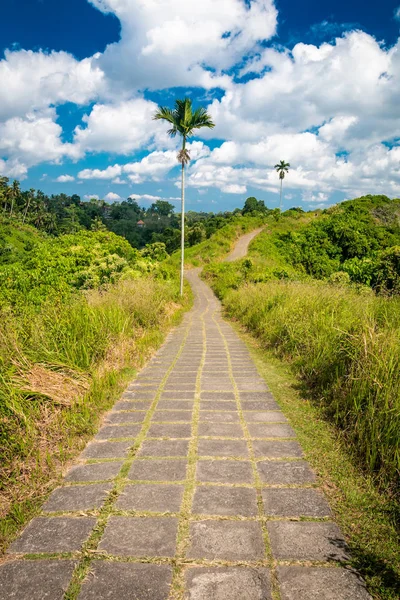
pixel 242 245
pixel 194 488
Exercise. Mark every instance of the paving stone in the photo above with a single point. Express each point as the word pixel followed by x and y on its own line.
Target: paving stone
pixel 317 583
pixel 35 579
pixel 226 540
pixel 158 470
pixel 140 536
pixel 229 501
pixel 221 430
pixel 118 431
pixel 170 404
pixel 266 416
pixel 224 471
pixel 172 415
pixel 218 406
pixel 252 396
pixel 155 497
pixel 218 396
pixel 219 417
pixel 164 448
pixel 227 448
pixel 216 385
pixel 171 430
pixel 250 385
pixel 115 418
pixel 94 472
pixel 277 449
pixel 53 534
pixel 269 430
pixel 78 497
pixel 138 404
pixel 306 541
pixel 106 449
pixel 227 583
pixel 128 405
pixel 177 395
pixel 286 502
pixel 115 580
pixel 279 472
pixel 181 387
pixel 259 405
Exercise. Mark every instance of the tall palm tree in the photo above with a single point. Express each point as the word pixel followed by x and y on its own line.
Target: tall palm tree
pixel 282 168
pixel 184 121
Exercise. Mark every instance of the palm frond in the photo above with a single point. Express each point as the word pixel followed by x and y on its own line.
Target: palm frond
pixel 183 119
pixel 165 114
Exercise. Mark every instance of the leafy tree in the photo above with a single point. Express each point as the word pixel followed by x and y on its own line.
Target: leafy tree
pixel 254 205
pixel 282 167
pixel 196 235
pixel 184 122
pixel 162 208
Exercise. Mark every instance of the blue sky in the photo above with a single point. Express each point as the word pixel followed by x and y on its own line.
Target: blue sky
pixel 313 83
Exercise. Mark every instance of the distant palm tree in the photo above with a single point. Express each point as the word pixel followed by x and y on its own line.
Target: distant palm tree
pixel 184 121
pixel 282 168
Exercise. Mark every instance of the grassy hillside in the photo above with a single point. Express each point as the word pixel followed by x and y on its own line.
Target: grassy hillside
pixel 220 243
pixel 320 292
pixel 299 291
pixel 77 314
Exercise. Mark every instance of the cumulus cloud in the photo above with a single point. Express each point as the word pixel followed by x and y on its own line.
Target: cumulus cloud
pixel 170 43
pixel 33 139
pixel 65 178
pixel 90 196
pixel 151 198
pixel 120 128
pixel 152 167
pixel 331 110
pixel 34 80
pixel 112 197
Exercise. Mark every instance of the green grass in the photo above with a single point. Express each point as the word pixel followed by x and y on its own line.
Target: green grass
pixel 62 367
pixel 346 347
pixel 219 244
pixel 368 517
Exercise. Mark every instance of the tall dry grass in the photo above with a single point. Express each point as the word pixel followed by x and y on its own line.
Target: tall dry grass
pixel 346 346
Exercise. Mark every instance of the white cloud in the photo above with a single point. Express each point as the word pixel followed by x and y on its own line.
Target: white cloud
pixel 397 13
pixel 326 109
pixel 120 128
pixel 65 178
pixel 112 197
pixel 152 167
pixel 170 43
pixel 90 196
pixel 36 138
pixel 108 173
pixel 150 198
pixel 34 80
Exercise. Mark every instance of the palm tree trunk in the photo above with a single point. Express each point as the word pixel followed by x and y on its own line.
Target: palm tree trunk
pixel 280 202
pixel 183 227
pixel 26 210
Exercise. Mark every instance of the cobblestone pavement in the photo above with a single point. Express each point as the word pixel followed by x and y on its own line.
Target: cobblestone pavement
pixel 194 488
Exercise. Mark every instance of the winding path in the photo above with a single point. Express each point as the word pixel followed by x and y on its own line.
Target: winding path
pixel 242 245
pixel 194 488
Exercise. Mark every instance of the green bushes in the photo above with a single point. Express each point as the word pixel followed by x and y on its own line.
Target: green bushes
pixel 346 346
pixel 75 313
